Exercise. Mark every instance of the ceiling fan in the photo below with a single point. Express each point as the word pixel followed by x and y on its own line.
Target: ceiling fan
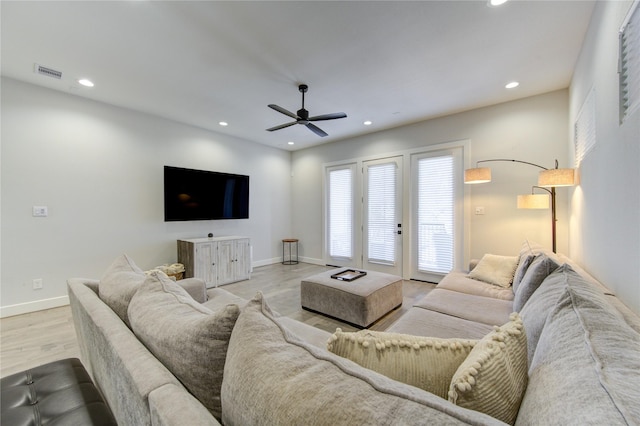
pixel 302 116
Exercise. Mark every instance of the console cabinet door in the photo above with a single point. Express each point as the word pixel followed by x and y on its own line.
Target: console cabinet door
pixel 206 266
pixel 227 262
pixel 243 260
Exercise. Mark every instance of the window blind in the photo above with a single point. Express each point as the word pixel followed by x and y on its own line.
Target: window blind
pixel 629 63
pixel 340 212
pixel 381 208
pixel 435 205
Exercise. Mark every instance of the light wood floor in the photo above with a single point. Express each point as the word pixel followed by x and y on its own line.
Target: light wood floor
pixel 36 338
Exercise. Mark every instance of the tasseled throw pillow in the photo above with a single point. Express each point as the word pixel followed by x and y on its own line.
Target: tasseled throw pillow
pixel 424 362
pixel 493 378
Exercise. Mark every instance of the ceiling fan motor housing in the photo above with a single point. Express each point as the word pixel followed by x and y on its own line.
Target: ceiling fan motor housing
pixel 304 116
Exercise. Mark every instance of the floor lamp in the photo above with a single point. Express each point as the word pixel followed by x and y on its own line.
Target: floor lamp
pixel 547 178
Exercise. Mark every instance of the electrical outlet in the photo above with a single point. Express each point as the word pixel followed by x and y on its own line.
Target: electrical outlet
pixel 37 284
pixel 479 210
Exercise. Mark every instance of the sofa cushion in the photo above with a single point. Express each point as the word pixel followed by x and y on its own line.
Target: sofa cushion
pixel 495 269
pixel 493 378
pixel 473 308
pixel 271 377
pixel 586 363
pixel 460 282
pixel 539 269
pixel 423 322
pixel 424 362
pixel 118 285
pixel 189 339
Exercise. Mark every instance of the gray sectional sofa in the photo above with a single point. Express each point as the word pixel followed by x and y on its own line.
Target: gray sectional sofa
pixel 247 365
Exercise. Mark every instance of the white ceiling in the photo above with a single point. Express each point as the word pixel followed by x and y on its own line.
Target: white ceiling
pixel 391 62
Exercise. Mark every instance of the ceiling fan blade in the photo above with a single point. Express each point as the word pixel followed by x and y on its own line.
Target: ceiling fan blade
pixel 318 131
pixel 282 126
pixel 283 111
pixel 328 116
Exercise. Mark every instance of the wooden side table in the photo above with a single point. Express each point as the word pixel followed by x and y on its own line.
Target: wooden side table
pixel 290 260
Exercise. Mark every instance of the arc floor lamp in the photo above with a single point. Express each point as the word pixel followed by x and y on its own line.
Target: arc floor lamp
pixel 547 178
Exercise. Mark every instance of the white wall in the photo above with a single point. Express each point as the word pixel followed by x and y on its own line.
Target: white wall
pixel 531 129
pixel 99 169
pixel 605 208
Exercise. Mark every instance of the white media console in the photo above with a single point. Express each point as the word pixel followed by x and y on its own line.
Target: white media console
pixel 216 260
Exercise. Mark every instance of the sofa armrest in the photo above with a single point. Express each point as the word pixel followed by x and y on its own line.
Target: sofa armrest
pixel 171 405
pixel 195 287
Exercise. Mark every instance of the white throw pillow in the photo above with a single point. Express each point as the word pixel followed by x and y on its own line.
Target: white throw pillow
pixel 495 269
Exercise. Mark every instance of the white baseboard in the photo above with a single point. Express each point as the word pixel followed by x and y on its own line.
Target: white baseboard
pixel 266 262
pixel 38 305
pixel 275 260
pixel 313 261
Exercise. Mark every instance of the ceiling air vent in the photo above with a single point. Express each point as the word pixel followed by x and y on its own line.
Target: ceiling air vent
pixel 49 72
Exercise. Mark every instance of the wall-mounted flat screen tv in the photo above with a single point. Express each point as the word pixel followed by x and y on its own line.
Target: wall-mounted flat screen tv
pixel 203 195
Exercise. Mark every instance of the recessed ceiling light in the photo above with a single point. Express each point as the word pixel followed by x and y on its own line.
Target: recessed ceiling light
pixel 495 3
pixel 223 123
pixel 512 85
pixel 291 143
pixel 368 123
pixel 85 82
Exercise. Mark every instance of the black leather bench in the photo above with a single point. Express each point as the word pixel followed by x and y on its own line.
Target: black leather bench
pixel 60 393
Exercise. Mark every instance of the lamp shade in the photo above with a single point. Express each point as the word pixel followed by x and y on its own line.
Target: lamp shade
pixel 556 177
pixel 477 175
pixel 533 201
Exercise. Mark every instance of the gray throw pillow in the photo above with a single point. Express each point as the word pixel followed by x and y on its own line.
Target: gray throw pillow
pixel 523 264
pixel 587 362
pixel 534 313
pixel 189 339
pixel 539 269
pixel 118 285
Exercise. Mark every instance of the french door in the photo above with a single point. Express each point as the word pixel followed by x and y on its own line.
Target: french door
pixel 382 215
pixel 436 214
pixel 340 195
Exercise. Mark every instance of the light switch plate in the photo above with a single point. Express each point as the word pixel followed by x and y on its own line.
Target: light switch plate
pixel 40 211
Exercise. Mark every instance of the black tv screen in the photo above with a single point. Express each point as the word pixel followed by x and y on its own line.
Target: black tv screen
pixel 202 195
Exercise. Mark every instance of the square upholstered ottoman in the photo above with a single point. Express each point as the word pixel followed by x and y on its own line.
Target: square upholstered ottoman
pixel 360 302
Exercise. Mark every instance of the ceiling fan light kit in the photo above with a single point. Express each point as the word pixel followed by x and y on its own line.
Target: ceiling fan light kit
pixel 302 116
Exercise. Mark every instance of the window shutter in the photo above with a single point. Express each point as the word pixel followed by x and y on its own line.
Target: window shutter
pixel 585 129
pixel 382 213
pixel 341 212
pixel 436 194
pixel 629 64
